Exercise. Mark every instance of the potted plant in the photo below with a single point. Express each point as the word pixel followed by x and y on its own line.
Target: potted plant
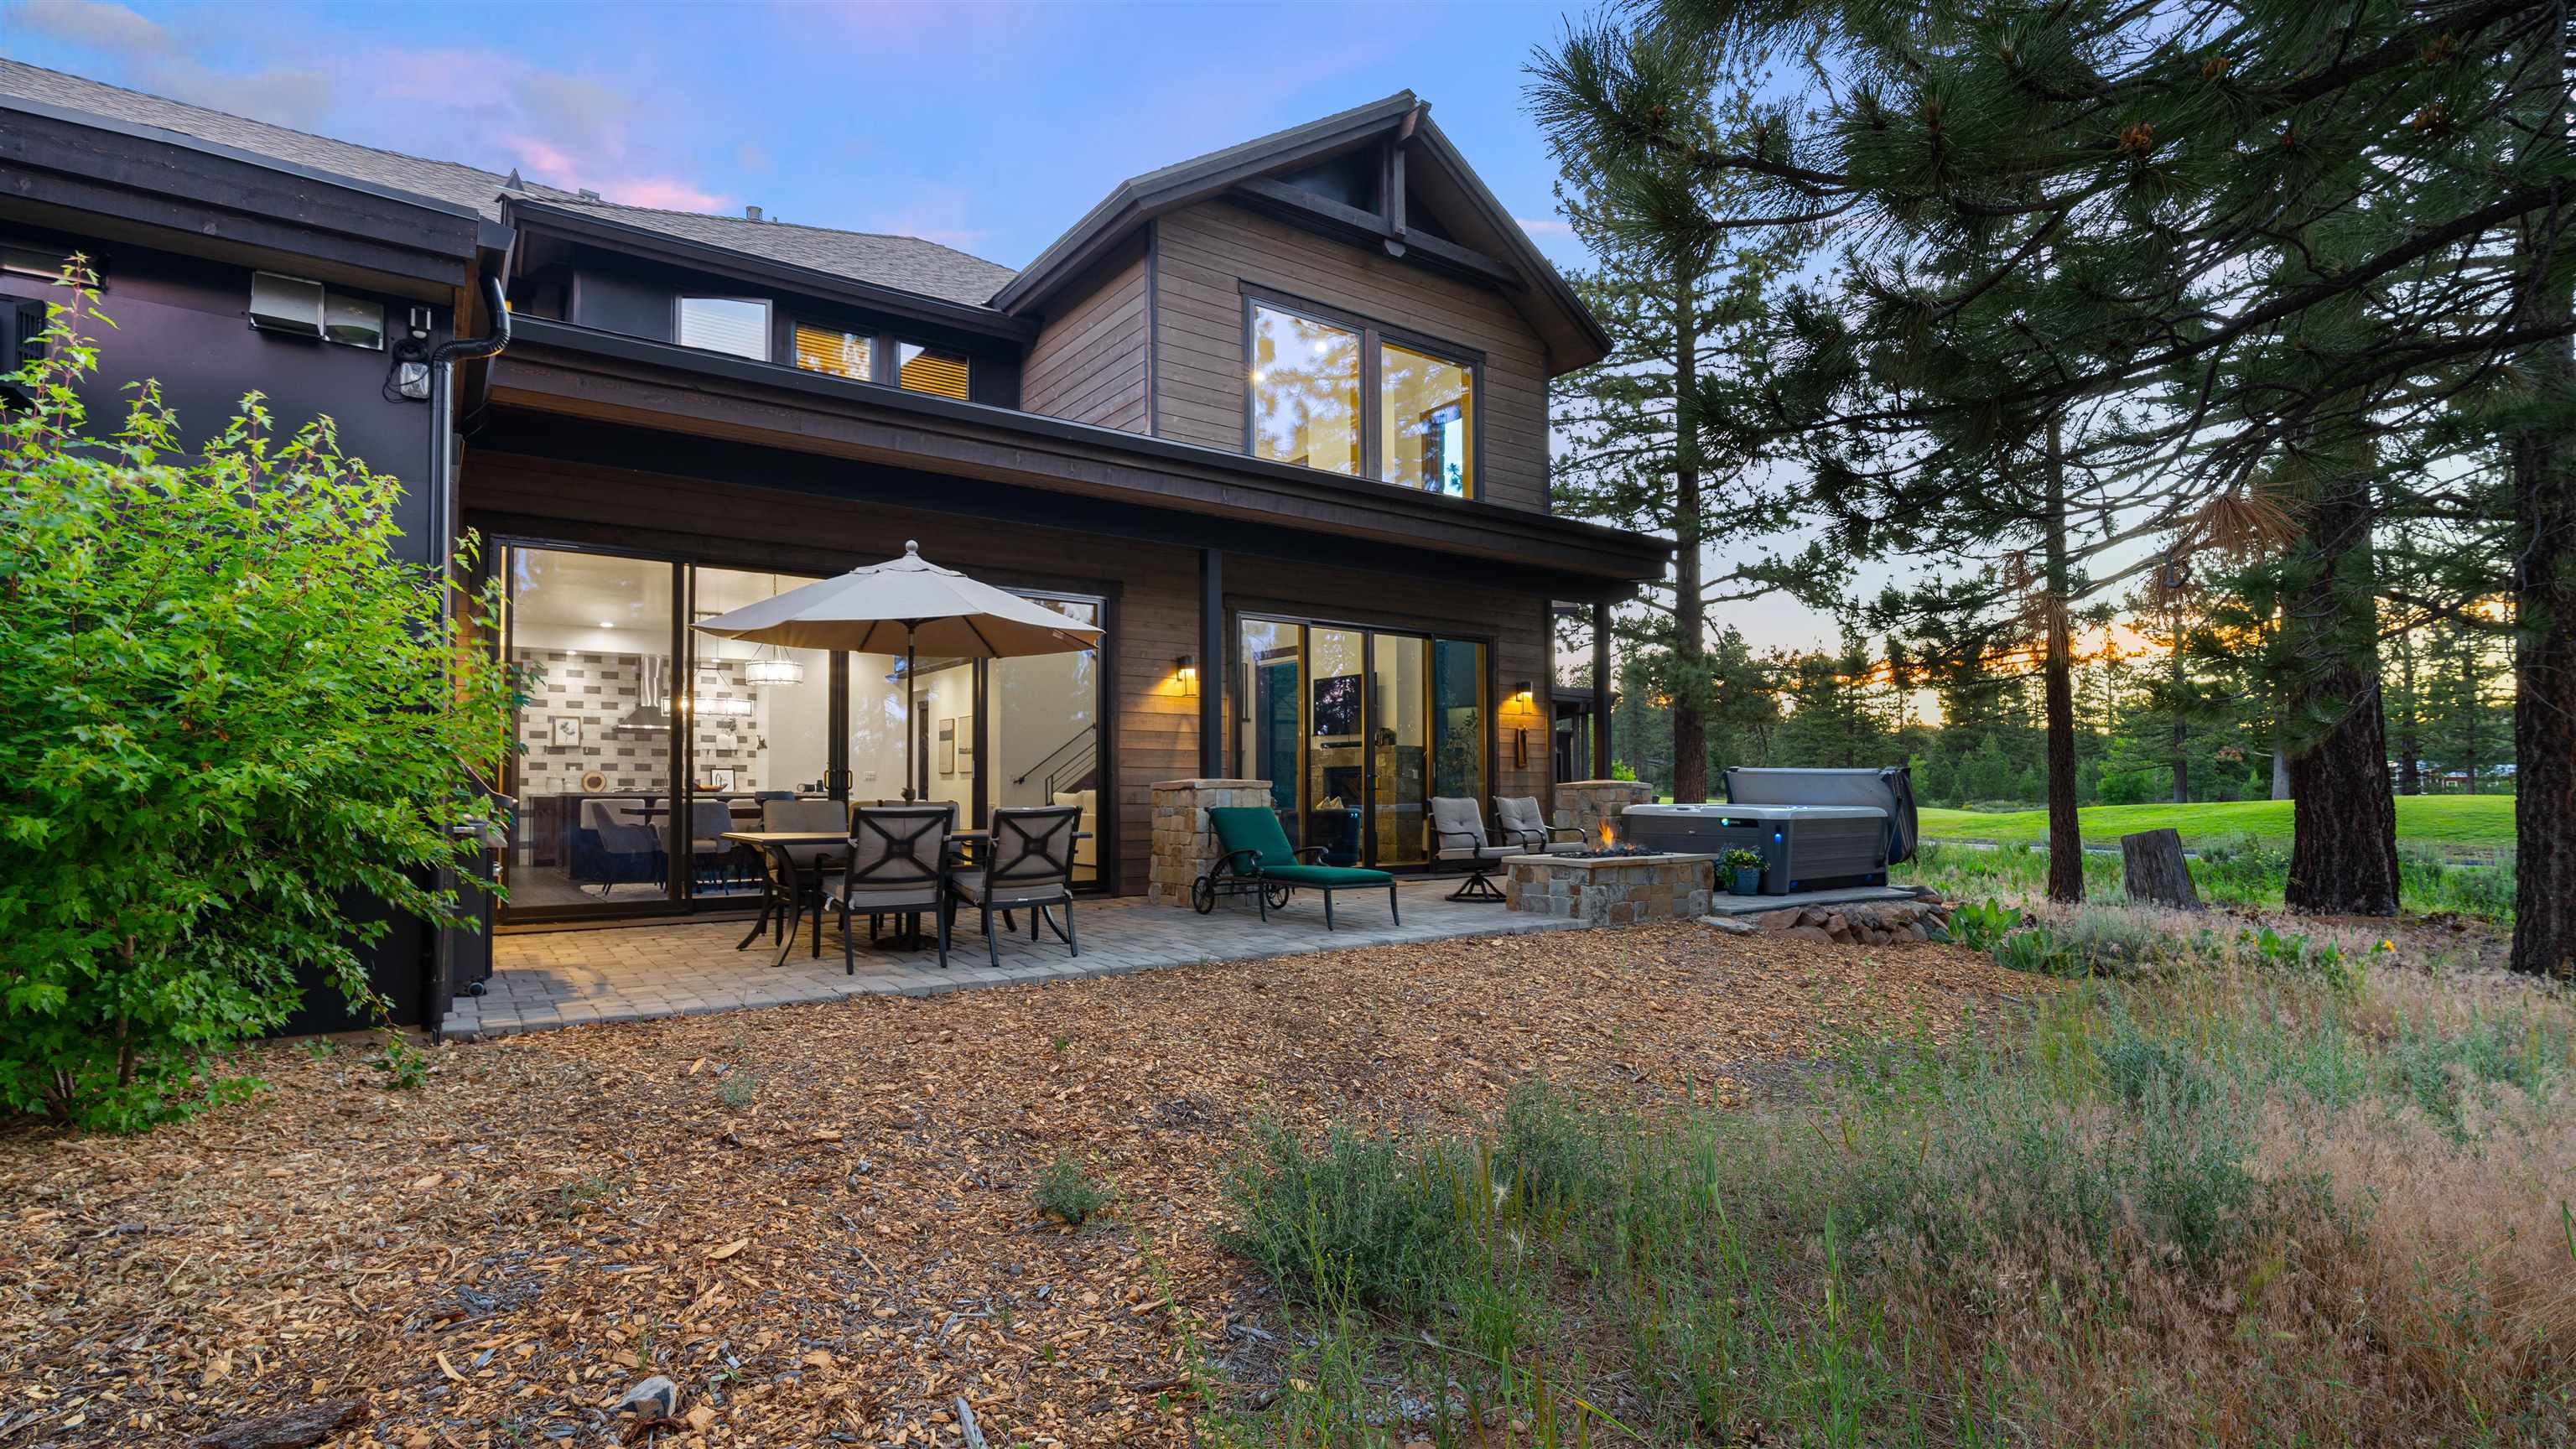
pixel 1744 868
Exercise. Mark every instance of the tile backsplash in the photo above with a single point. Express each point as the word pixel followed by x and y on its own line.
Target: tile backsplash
pixel 602 689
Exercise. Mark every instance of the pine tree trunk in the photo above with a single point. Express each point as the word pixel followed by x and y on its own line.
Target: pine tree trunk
pixel 2343 821
pixel 2280 773
pixel 2410 746
pixel 2181 725
pixel 2544 591
pixel 1690 726
pixel 2472 755
pixel 2065 836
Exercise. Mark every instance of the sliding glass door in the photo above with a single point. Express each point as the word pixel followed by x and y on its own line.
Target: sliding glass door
pixel 1356 730
pixel 591 637
pixel 643 742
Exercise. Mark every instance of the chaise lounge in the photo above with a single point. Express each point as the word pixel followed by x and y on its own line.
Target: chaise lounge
pixel 1257 860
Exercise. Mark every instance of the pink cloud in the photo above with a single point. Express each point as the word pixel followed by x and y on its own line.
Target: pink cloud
pixel 662 193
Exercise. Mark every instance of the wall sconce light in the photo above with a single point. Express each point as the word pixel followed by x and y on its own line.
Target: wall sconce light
pixel 1187 673
pixel 1521 691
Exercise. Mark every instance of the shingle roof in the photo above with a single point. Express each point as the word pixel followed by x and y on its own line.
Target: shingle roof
pixel 908 263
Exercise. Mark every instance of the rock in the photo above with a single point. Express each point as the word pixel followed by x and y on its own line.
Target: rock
pixel 296 1428
pixel 1779 920
pixel 1806 933
pixel 1814 916
pixel 1731 925
pixel 655 1398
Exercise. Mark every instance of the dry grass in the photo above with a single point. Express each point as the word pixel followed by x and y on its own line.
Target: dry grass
pixel 820 1220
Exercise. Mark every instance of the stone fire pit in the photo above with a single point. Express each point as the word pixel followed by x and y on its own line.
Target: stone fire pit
pixel 1609 890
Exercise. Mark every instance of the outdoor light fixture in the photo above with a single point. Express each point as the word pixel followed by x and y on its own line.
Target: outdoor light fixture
pixel 1186 672
pixel 774 668
pixel 1521 690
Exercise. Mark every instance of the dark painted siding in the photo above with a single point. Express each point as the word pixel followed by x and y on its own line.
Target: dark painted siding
pixel 185 322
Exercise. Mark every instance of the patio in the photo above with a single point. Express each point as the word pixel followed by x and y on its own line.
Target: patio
pixel 550 979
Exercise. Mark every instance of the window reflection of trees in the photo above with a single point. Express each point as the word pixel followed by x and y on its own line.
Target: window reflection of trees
pixel 1306 392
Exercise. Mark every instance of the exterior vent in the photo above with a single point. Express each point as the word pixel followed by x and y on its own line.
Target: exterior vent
pixel 285 304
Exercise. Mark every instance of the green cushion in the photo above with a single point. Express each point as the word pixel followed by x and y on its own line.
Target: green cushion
pixel 1325 875
pixel 1254 828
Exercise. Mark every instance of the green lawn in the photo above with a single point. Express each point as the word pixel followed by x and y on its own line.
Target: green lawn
pixel 2458 822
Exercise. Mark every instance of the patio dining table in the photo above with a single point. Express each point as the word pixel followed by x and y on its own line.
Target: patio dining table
pixel 779 846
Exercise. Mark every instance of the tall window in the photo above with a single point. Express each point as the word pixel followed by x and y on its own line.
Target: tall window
pixel 1426 416
pixel 842 354
pixel 738 325
pixel 1337 394
pixel 927 369
pixel 1305 391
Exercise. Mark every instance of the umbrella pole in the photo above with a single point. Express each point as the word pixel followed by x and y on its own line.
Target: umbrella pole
pixel 911 726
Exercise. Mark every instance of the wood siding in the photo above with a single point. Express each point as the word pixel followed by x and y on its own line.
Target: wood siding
pixel 1152 731
pixel 1206 253
pixel 1088 364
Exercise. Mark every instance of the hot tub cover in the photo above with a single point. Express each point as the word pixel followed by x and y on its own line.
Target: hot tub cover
pixel 1890 789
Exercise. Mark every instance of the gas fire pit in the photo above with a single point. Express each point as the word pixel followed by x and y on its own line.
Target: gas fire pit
pixel 1610 883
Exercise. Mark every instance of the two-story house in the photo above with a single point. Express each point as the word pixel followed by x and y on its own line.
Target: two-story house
pixel 1275 418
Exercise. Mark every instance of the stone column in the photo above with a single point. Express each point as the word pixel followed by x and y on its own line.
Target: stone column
pixel 1184 844
pixel 1584 804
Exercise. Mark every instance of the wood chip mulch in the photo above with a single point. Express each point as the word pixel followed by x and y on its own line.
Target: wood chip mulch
pixel 817 1220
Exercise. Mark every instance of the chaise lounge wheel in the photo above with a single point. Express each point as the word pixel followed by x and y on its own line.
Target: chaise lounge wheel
pixel 1203 895
pixel 1278 896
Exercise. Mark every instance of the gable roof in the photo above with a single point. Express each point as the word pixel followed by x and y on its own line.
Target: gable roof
pixel 1574 336
pixel 905 263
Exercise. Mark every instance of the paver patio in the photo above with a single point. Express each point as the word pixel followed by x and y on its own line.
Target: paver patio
pixel 550 979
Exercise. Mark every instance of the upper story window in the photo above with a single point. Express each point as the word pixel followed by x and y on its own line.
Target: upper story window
pixel 842 354
pixel 739 325
pixel 927 369
pixel 1336 394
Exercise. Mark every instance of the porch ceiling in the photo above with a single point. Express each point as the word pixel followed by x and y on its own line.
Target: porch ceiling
pixel 562 370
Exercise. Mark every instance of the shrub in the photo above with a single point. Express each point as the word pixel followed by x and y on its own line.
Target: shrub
pixel 1363 1217
pixel 1066 1191
pixel 236 728
pixel 1980 926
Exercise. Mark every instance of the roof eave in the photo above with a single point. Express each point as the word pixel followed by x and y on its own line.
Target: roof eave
pixel 662 246
pixel 1139 198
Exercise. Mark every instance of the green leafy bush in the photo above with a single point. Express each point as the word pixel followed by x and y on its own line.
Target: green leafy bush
pixel 1978 927
pixel 235 730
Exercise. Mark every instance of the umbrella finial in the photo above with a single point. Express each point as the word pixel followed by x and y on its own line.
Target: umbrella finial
pixel 911 549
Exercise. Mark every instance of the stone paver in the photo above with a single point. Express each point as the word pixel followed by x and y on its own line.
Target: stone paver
pixel 549 979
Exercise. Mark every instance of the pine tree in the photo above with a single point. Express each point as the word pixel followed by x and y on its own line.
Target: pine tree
pixel 2195 243
pixel 1651 437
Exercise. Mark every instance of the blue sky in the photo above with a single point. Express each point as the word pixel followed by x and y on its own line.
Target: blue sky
pixel 988 124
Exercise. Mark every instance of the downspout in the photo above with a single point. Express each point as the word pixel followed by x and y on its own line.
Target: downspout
pixel 469 349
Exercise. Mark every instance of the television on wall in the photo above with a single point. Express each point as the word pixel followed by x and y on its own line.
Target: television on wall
pixel 1337 707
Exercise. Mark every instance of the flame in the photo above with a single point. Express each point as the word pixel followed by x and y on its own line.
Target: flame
pixel 1609 837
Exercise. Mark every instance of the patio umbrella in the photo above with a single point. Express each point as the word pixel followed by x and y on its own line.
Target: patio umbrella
pixel 912 601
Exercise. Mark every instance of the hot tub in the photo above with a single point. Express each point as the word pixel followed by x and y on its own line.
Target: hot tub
pixel 1803 847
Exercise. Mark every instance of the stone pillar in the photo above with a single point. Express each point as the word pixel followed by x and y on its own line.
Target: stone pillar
pixel 1584 804
pixel 1184 845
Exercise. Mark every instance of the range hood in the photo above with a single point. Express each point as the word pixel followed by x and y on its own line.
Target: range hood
pixel 652 713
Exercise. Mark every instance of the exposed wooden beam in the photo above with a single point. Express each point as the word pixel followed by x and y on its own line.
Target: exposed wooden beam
pixel 1334 218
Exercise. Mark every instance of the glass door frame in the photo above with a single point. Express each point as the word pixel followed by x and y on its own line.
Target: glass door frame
pixel 1431 636
pixel 679 899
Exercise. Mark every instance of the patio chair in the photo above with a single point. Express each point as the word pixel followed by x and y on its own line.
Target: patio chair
pixel 708 849
pixel 1257 860
pixel 611 847
pixel 1525 828
pixel 802 866
pixel 898 865
pixel 1458 838
pixel 1027 866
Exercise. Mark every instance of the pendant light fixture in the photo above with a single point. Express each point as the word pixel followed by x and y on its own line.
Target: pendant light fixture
pixel 773 666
